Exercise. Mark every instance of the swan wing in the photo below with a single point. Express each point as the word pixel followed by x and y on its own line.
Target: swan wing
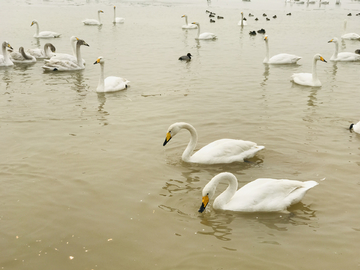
pixel 284 58
pixel 347 56
pixel 91 22
pixel 47 34
pixel 226 151
pixel 269 195
pixel 60 65
pixel 189 26
pixel 16 56
pixel 113 84
pixel 350 36
pixel 303 79
pixel 119 20
pixel 207 35
pixel 37 53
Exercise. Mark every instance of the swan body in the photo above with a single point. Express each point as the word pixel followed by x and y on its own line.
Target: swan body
pixel 351 36
pixel 355 127
pixel 69 57
pixel 282 58
pixel 217 152
pixel 242 22
pixel 22 57
pixel 188 25
pixel 5 60
pixel 309 79
pixel 111 83
pixel 117 19
pixel 47 52
pixel 44 34
pixel 56 64
pixel 205 35
pixel 260 195
pixel 93 21
pixel 343 56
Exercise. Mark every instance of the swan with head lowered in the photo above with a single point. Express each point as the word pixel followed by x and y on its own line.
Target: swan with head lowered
pixel 69 57
pixel 260 195
pixel 93 21
pixel 47 52
pixel 43 34
pixel 188 25
pixel 111 83
pixel 242 22
pixel 352 36
pixel 55 64
pixel 343 56
pixel 5 60
pixel 282 58
pixel 117 19
pixel 217 152
pixel 205 35
pixel 309 79
pixel 22 57
pixel 355 127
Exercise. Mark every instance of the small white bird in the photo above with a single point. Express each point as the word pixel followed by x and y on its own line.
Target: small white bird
pixel 260 195
pixel 93 22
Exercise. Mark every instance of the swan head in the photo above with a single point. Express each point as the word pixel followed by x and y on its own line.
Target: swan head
pixel 7 45
pixel 52 47
pixel 335 40
pixel 172 131
pixel 183 16
pixel 100 60
pixel 82 42
pixel 33 22
pixel 319 57
pixel 100 11
pixel 196 23
pixel 266 38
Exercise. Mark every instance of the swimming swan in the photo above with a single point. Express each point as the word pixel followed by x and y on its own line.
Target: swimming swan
pixel 47 52
pixel 55 64
pixel 93 21
pixel 5 60
pixel 116 19
pixel 242 22
pixel 282 58
pixel 220 151
pixel 309 79
pixel 69 57
pixel 111 83
pixel 44 34
pixel 352 36
pixel 355 127
pixel 260 195
pixel 22 57
pixel 205 35
pixel 187 25
pixel 343 56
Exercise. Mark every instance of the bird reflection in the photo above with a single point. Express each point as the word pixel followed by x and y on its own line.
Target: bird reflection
pixel 102 113
pixel 79 83
pixel 265 74
pixel 218 225
pixel 312 97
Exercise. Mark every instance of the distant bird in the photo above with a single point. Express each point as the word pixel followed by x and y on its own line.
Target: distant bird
pixel 186 57
pixel 220 17
pixel 288 14
pixel 244 19
pixel 212 21
pixel 274 16
pixel 261 31
pixel 252 33
pixel 251 15
pixel 264 15
pixel 357 14
pixel 256 19
pixel 357 51
pixel 267 19
pixel 349 14
pixel 211 15
pixel 207 11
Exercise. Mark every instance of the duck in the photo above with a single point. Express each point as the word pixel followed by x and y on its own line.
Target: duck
pixel 357 51
pixel 342 56
pixel 252 33
pixel 309 79
pixel 116 19
pixel 218 152
pixel 205 35
pixel 212 21
pixel 93 22
pixel 64 64
pixel 256 19
pixel 349 14
pixel 267 19
pixel 220 17
pixel 264 15
pixel 188 25
pixel 282 58
pixel 47 52
pixel 355 127
pixel 242 22
pixel 274 16
pixel 351 36
pixel 186 57
pixel 261 31
pixel 5 60
pixel 288 14
pixel 44 34
pixel 111 83
pixel 22 57
pixel 251 15
pixel 260 195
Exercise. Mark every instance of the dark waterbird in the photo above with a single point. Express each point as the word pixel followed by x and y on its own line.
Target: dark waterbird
pixel 186 57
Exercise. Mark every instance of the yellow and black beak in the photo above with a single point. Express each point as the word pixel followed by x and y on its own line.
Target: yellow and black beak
pixel 322 59
pixel 97 61
pixel 330 40
pixel 205 201
pixel 167 139
pixel 11 48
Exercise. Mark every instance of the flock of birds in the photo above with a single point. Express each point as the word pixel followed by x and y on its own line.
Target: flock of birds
pixel 264 194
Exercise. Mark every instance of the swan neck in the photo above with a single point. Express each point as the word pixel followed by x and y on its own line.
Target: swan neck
pixel 336 50
pixel 101 84
pixel 78 55
pixel 99 17
pixel 37 28
pixel 4 51
pixel 47 51
pixel 314 73
pixel 114 15
pixel 23 54
pixel 192 144
pixel 186 20
pixel 198 30
pixel 242 19
pixel 230 191
pixel 267 52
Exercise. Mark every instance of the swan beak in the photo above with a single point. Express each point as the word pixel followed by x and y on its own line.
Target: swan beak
pixel 86 44
pixel 330 40
pixel 32 24
pixel 322 59
pixel 97 61
pixel 167 139
pixel 193 23
pixel 205 201
pixel 11 48
pixel 265 38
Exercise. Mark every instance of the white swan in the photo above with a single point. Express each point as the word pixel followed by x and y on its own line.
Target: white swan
pixel 47 52
pixel 352 36
pixel 117 19
pixel 260 195
pixel 242 22
pixel 343 56
pixel 111 83
pixel 69 57
pixel 93 21
pixel 355 127
pixel 5 60
pixel 309 79
pixel 22 57
pixel 55 64
pixel 44 34
pixel 220 151
pixel 205 35
pixel 282 58
pixel 188 25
